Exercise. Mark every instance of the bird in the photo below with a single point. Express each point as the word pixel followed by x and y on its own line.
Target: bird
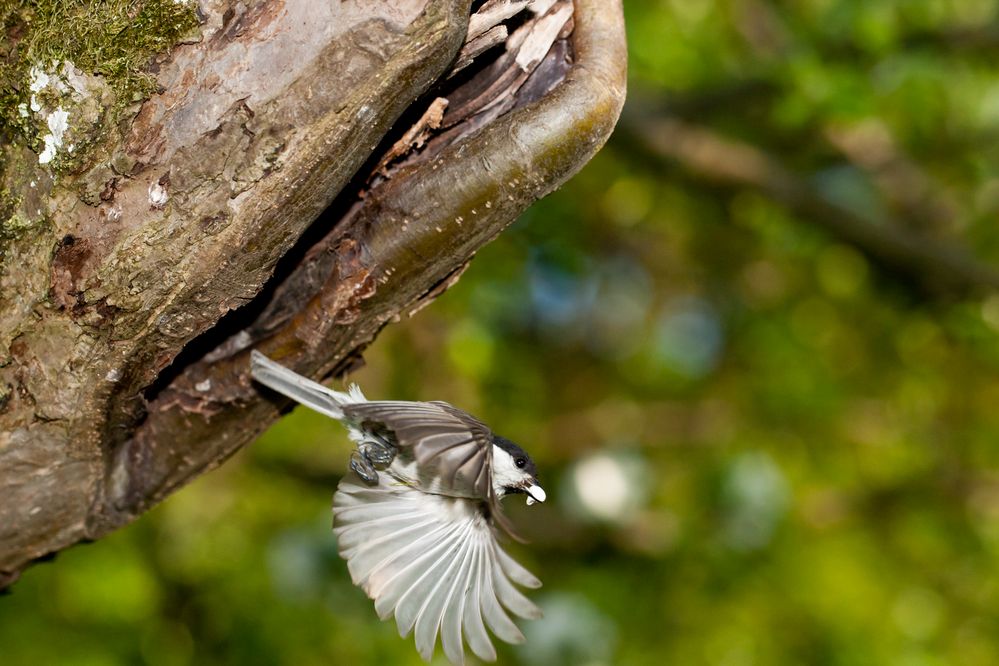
pixel 418 519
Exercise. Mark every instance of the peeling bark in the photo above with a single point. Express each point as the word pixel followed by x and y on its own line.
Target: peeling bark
pixel 127 318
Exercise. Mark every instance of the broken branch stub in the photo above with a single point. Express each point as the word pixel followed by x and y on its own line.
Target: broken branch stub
pixel 153 319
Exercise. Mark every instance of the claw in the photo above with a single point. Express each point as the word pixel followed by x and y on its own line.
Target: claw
pixel 377 453
pixel 363 468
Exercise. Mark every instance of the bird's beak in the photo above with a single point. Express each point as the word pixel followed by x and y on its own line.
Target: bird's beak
pixel 535 493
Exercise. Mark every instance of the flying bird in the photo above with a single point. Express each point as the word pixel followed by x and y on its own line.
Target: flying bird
pixel 417 521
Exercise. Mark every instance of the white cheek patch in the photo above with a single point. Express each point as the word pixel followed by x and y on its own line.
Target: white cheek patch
pixel 504 471
pixel 506 474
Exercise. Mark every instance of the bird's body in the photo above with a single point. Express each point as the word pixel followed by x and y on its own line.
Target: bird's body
pixel 416 523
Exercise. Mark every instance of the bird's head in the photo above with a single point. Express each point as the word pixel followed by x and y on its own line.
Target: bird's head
pixel 514 471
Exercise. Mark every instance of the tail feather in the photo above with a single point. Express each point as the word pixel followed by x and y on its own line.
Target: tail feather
pixel 301 389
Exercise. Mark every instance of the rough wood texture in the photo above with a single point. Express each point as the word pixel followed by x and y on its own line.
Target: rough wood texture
pixel 126 322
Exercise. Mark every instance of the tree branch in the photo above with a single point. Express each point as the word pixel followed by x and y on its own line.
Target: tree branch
pixel 938 266
pixel 161 389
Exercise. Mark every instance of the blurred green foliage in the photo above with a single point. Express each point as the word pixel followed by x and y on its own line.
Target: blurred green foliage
pixel 761 446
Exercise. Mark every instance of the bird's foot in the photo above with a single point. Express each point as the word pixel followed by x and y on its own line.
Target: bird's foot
pixel 378 454
pixel 371 455
pixel 363 468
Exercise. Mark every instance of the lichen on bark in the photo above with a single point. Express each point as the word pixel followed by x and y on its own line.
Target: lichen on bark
pixel 110 39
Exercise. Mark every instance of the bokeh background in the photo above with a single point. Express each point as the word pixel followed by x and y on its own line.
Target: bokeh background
pixel 753 346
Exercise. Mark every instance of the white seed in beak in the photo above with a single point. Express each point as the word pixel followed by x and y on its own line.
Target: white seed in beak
pixel 535 493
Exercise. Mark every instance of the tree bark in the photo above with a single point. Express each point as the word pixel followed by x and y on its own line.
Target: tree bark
pixel 266 197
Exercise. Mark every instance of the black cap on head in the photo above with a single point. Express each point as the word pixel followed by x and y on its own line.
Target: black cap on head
pixel 518 454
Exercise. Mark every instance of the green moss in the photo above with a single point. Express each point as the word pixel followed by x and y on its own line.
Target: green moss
pixel 14 226
pixel 12 223
pixel 8 204
pixel 114 39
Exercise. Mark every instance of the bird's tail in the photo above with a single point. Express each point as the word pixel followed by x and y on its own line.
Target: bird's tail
pixel 302 389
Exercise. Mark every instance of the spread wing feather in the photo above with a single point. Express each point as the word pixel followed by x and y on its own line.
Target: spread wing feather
pixel 433 562
pixel 446 442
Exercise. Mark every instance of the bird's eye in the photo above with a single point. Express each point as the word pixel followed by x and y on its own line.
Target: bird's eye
pixel 520 462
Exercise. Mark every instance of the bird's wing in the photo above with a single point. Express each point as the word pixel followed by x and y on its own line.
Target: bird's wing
pixel 433 562
pixel 446 442
pixel 300 389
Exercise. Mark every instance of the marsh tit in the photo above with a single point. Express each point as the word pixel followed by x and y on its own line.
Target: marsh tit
pixel 417 520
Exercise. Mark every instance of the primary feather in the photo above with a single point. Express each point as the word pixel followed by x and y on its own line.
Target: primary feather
pixel 452 449
pixel 433 562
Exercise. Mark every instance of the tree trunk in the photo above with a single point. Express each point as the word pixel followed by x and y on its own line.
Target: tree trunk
pixel 268 196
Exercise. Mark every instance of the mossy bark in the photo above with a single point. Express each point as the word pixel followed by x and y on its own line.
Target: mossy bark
pixel 130 301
